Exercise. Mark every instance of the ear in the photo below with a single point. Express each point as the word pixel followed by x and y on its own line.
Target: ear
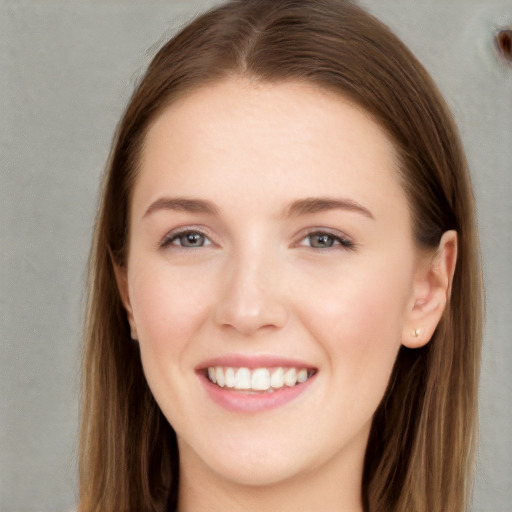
pixel 431 292
pixel 122 285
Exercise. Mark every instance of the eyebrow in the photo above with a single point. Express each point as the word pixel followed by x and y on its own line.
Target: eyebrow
pixel 306 206
pixel 182 204
pixel 311 205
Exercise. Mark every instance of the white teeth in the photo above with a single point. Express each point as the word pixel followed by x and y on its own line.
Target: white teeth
pixel 229 376
pixel 290 377
pixel 243 378
pixel 277 379
pixel 302 375
pixel 258 379
pixel 219 376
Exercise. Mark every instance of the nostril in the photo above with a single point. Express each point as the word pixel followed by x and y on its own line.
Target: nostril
pixel 503 41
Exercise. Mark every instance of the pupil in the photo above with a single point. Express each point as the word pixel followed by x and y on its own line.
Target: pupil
pixel 322 240
pixel 193 239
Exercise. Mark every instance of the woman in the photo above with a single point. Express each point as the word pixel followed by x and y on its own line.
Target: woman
pixel 284 308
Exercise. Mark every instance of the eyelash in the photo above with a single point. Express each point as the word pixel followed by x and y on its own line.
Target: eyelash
pixel 335 239
pixel 338 241
pixel 171 237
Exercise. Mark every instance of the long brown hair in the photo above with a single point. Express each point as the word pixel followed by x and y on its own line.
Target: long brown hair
pixel 421 447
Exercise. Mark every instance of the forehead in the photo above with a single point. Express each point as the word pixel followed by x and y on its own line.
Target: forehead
pixel 261 139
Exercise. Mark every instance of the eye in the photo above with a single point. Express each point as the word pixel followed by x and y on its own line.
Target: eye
pixel 325 240
pixel 190 238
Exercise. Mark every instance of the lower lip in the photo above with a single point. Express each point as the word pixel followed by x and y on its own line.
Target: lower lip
pixel 243 401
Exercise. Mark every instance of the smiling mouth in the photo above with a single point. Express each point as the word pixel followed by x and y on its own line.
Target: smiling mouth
pixel 258 380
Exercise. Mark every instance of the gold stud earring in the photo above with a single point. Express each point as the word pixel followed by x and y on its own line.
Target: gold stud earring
pixel 416 333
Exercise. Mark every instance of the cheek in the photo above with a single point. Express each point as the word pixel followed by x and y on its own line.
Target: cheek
pixel 358 317
pixel 168 307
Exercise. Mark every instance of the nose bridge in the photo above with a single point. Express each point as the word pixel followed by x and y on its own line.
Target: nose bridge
pixel 253 296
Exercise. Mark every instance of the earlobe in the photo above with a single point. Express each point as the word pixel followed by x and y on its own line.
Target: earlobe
pixel 432 288
pixel 122 286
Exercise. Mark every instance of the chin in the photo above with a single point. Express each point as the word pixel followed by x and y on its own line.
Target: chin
pixel 260 472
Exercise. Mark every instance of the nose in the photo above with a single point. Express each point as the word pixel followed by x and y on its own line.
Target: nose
pixel 252 299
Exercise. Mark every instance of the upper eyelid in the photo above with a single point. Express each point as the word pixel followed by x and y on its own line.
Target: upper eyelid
pixel 343 241
pixel 182 230
pixel 325 231
pixel 335 233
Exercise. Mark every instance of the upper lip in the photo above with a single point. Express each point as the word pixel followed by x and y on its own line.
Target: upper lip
pixel 253 361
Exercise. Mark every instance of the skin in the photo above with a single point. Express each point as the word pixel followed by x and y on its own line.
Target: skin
pixel 258 287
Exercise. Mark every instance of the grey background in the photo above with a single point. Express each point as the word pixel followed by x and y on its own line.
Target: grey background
pixel 67 69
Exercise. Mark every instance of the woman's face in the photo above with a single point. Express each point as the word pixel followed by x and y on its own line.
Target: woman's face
pixel 270 250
